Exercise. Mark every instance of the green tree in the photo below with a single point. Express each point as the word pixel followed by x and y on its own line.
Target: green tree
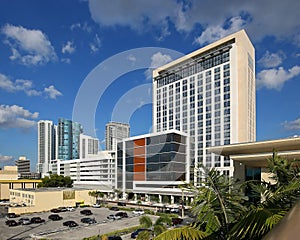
pixel 159 226
pixel 276 200
pixel 56 180
pixel 224 213
pixel 96 194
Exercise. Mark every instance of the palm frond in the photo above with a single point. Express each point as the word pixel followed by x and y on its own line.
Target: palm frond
pixel 183 233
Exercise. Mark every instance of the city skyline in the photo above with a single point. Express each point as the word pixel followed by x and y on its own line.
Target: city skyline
pixel 48 50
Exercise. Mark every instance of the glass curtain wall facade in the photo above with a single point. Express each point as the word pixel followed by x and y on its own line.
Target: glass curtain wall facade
pixel 210 95
pixel 68 139
pixel 152 161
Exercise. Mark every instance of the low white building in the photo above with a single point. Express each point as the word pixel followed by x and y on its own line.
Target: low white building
pixel 93 172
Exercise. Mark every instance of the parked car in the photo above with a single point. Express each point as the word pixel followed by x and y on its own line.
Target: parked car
pixel 55 210
pixel 176 221
pixel 174 210
pixel 96 205
pixel 114 208
pixel 11 223
pixel 136 232
pixel 37 220
pixel 138 212
pixel 113 217
pixel 70 223
pixel 12 215
pixel 55 217
pixel 121 204
pixel 122 214
pixel 86 212
pixel 70 209
pixel 24 221
pixel 63 209
pixel 114 238
pixel 88 220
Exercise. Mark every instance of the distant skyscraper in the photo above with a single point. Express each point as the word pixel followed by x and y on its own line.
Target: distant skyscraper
pixel 88 146
pixel 114 133
pixel 46 145
pixel 209 94
pixel 23 165
pixel 68 134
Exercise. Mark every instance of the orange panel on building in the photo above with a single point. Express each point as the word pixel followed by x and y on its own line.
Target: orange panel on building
pixel 139 161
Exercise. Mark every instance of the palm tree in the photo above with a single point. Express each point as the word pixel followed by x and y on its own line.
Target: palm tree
pixel 224 213
pixel 277 199
pixel 218 200
pixel 159 226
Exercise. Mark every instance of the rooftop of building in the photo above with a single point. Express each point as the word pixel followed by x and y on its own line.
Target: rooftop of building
pixel 58 189
pixel 257 153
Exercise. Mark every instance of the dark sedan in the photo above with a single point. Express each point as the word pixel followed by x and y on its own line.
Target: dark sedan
pixel 55 217
pixel 88 220
pixel 70 223
pixel 86 212
pixel 37 220
pixel 11 223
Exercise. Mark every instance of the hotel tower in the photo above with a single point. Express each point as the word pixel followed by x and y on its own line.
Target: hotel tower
pixel 210 95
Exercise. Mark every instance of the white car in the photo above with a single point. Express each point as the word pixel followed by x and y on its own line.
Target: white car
pixel 138 212
pixel 96 205
pixel 113 217
pixel 70 209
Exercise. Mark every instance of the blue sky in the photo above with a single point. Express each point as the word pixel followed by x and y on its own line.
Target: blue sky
pixel 57 57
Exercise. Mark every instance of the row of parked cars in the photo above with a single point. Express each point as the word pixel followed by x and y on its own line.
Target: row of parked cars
pixel 24 221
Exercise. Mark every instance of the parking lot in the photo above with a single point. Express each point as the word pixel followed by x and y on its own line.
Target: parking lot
pixel 55 229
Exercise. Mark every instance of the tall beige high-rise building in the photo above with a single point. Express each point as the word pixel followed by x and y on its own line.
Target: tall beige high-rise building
pixel 209 94
pixel 47 146
pixel 115 132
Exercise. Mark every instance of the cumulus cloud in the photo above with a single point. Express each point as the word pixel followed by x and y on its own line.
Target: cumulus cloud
pixel 16 117
pixel 292 125
pixel 214 33
pixel 66 60
pixel 96 44
pixel 270 60
pixel 26 86
pixel 82 26
pixel 4 158
pixel 157 60
pixel 52 92
pixel 132 59
pixel 29 47
pixel 185 15
pixel 68 48
pixel 275 78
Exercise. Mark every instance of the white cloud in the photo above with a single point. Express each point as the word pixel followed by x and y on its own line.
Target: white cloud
pixel 52 92
pixel 269 60
pixel 131 58
pixel 96 44
pixel 82 26
pixel 214 33
pixel 16 117
pixel 68 48
pixel 4 158
pixel 292 125
pixel 29 47
pixel 19 85
pixel 27 87
pixel 66 60
pixel 157 60
pixel 185 15
pixel 275 78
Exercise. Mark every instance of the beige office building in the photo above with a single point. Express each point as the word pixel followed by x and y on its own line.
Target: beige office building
pixel 44 199
pixel 9 180
pixel 210 95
